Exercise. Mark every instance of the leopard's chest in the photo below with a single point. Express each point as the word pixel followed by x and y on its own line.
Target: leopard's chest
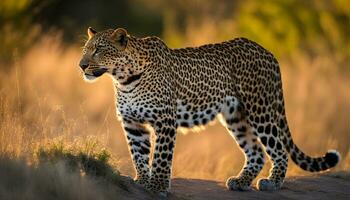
pixel 134 109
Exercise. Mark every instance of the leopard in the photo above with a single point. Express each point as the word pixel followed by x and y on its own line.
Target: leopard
pixel 159 89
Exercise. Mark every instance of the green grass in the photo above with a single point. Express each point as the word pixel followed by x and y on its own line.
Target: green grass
pixel 87 158
pixel 63 170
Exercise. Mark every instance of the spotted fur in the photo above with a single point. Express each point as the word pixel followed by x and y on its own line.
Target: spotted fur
pixel 169 88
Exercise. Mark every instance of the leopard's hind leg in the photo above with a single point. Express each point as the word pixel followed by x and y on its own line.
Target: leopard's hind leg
pixel 270 135
pixel 236 122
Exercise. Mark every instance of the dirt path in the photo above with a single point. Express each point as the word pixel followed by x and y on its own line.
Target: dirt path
pixel 326 186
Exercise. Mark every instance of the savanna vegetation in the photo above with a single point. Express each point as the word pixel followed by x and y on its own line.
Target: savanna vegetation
pixel 60 134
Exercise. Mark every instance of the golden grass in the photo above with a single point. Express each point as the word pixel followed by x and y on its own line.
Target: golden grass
pixel 43 97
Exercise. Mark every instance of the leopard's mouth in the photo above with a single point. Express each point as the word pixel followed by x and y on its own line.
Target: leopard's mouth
pixel 95 72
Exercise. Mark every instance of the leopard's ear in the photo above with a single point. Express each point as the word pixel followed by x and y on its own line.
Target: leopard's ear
pixel 91 32
pixel 120 37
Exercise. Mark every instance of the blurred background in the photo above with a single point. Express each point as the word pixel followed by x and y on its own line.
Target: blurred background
pixel 43 96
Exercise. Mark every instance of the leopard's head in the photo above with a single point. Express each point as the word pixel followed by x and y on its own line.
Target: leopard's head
pixel 113 52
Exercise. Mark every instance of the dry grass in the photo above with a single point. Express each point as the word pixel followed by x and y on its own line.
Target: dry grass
pixel 43 97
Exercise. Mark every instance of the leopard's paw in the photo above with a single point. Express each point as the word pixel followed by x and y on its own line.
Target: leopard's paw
pixel 268 185
pixel 234 183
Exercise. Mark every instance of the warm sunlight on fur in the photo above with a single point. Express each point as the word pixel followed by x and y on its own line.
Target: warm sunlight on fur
pixel 63 66
pixel 41 100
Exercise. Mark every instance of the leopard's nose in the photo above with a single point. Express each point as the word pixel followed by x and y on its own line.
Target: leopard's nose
pixel 83 64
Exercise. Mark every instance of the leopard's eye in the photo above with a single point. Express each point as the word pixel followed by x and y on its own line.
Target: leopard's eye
pixel 96 52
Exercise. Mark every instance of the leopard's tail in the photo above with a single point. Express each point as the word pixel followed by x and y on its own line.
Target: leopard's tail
pixel 308 163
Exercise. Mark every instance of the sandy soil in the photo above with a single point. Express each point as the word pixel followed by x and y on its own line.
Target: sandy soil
pixel 20 181
pixel 325 186
pixel 322 186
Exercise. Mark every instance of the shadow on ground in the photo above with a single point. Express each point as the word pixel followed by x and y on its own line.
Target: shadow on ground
pixel 20 180
pixel 321 186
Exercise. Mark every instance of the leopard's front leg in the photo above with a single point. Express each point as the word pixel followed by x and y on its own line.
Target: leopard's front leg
pixel 165 130
pixel 139 145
